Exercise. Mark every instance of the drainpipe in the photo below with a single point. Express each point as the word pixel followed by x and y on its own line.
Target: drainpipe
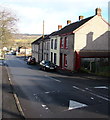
pixel 77 61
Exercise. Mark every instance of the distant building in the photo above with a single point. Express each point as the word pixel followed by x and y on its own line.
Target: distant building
pixel 24 51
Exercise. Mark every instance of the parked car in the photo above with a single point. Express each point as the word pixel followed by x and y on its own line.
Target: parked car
pixel 31 60
pixel 13 52
pixel 47 65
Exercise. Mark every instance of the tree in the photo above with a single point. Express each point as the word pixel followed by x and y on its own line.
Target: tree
pixel 7 26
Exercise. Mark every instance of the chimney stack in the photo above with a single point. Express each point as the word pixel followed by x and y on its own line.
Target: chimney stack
pixel 98 11
pixel 68 22
pixel 81 17
pixel 59 27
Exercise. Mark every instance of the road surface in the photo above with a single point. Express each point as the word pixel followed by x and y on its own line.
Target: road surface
pixel 52 95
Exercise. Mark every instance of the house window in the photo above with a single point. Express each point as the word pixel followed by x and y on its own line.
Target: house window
pixel 44 45
pixel 47 57
pixel 47 45
pixel 65 60
pixel 44 56
pixel 61 42
pixel 55 46
pixel 52 44
pixel 66 43
pixel 55 58
pixel 51 56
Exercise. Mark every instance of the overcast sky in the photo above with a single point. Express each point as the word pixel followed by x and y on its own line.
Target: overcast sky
pixel 31 13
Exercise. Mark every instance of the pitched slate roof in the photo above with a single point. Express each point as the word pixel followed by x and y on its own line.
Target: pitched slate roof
pixel 41 38
pixel 67 29
pixel 73 26
pixel 38 40
pixel 48 36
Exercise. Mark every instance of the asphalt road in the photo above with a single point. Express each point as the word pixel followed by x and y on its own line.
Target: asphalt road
pixel 52 95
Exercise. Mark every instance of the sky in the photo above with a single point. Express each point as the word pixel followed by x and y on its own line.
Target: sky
pixel 31 13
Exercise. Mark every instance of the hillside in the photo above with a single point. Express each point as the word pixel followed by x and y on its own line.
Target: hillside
pixel 27 36
pixel 24 39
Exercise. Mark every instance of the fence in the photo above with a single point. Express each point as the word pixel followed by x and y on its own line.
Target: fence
pixel 96 65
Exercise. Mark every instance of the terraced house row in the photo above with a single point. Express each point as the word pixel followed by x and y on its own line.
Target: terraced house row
pixel 77 44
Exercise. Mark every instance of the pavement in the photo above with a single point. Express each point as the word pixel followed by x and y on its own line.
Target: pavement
pixel 80 74
pixel 9 106
pixel 84 75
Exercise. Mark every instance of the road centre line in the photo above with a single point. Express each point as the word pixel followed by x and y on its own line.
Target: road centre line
pixel 101 87
pixel 99 96
pixel 87 90
pixel 78 88
pixel 52 78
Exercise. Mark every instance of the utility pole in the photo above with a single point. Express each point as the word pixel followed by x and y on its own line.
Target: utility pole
pixel 43 29
pixel 43 40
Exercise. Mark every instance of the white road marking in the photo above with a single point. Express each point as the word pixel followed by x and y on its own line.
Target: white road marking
pixel 99 96
pixel 47 92
pixel 74 105
pixel 101 87
pixel 52 78
pixel 57 80
pixel 78 88
pixel 89 91
pixel 87 88
pixel 92 98
pixel 44 106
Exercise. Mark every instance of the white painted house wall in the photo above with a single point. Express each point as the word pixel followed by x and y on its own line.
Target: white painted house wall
pixel 57 51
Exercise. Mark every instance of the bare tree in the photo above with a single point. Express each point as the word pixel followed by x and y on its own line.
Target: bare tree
pixel 7 26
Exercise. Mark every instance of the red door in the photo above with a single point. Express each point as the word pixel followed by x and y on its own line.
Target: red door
pixel 61 60
pixel 77 61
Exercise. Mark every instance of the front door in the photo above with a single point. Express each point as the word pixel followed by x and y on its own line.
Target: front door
pixel 61 60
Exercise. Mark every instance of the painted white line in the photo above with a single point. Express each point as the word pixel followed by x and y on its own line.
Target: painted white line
pixel 78 88
pixel 47 92
pixel 75 105
pixel 52 78
pixel 99 96
pixel 87 90
pixel 44 106
pixel 57 80
pixel 92 98
pixel 101 87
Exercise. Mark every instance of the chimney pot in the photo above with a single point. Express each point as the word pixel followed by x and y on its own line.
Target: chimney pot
pixel 98 11
pixel 68 22
pixel 81 17
pixel 59 27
